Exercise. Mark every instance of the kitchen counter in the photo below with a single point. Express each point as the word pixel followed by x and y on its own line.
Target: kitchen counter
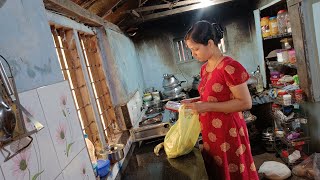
pixel 142 163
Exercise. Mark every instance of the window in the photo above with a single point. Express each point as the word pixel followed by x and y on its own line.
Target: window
pixel 184 53
pixel 65 41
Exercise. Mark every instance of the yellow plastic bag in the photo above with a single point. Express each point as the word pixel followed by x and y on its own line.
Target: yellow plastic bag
pixel 183 135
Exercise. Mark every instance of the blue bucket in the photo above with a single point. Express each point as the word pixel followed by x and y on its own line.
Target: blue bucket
pixel 103 167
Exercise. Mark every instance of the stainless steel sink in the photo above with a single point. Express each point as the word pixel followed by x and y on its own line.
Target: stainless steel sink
pixel 149 131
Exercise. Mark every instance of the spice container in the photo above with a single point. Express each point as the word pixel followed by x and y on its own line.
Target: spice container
pixel 299 96
pixel 265 26
pixel 273 25
pixel 287 100
pixel 280 96
pixel 282 18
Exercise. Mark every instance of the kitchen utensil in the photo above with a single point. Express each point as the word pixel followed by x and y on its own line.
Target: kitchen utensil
pixel 170 81
pixel 103 167
pixel 173 92
pixel 147 97
pixel 115 152
pixel 7 121
pixel 149 132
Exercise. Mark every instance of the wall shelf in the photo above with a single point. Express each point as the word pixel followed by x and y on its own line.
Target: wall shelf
pixel 278 36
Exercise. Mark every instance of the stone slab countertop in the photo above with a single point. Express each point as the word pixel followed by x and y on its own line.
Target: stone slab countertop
pixel 142 163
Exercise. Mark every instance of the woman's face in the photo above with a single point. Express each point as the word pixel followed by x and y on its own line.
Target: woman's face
pixel 200 51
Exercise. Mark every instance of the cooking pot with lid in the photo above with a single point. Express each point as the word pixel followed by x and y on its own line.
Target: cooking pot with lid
pixel 170 81
pixel 115 152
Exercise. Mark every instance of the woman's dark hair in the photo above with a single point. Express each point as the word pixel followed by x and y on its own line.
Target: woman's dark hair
pixel 202 31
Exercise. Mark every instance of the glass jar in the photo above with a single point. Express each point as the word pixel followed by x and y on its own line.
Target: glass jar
pixel 287 100
pixel 265 26
pixel 273 25
pixel 282 19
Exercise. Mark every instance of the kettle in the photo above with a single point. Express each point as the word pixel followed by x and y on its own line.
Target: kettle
pixel 7 121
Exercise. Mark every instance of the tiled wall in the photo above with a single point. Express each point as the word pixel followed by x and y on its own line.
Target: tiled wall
pixel 58 151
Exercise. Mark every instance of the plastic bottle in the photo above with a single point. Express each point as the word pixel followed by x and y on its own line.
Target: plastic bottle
pixel 282 19
pixel 273 25
pixel 91 149
pixel 265 26
pixel 258 76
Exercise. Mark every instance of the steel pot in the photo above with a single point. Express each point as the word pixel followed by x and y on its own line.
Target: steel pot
pixel 170 81
pixel 115 152
pixel 173 92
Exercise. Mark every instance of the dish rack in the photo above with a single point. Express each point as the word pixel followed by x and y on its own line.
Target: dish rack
pixel 20 138
pixel 286 143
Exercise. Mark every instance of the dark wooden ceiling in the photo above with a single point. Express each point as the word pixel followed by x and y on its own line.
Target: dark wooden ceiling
pixel 120 12
pixel 129 14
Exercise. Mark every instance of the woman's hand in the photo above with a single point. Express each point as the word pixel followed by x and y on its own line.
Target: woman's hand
pixel 196 107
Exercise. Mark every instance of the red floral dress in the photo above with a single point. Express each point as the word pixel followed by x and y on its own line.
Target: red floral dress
pixel 226 151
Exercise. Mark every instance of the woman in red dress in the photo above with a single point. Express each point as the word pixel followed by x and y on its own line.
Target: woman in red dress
pixel 223 96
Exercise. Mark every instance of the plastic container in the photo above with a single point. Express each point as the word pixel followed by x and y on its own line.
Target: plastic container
pixel 103 167
pixel 91 149
pixel 275 74
pixel 273 25
pixel 280 96
pixel 274 81
pixel 292 56
pixel 282 19
pixel 282 56
pixel 287 99
pixel 265 26
pixel 299 95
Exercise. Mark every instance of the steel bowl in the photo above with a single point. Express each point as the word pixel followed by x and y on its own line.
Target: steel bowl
pixel 115 152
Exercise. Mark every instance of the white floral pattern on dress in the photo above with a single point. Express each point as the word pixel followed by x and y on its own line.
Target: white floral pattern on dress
pixel 218 160
pixel 233 168
pixel 212 99
pixel 244 76
pixel 230 69
pixel 217 87
pixel 241 132
pixel 206 146
pixel 242 168
pixel 233 132
pixel 212 137
pixel 217 123
pixel 252 167
pixel 225 147
pixel 242 148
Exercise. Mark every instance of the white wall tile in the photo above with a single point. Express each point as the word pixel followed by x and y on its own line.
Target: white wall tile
pixel 80 167
pixel 62 119
pixel 134 107
pixel 34 165
pixel 42 141
pixel 60 177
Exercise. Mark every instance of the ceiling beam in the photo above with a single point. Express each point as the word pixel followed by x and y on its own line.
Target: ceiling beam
pixel 109 11
pixel 182 9
pixel 166 6
pixel 72 9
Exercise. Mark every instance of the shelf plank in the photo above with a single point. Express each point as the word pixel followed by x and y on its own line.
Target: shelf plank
pixel 278 36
